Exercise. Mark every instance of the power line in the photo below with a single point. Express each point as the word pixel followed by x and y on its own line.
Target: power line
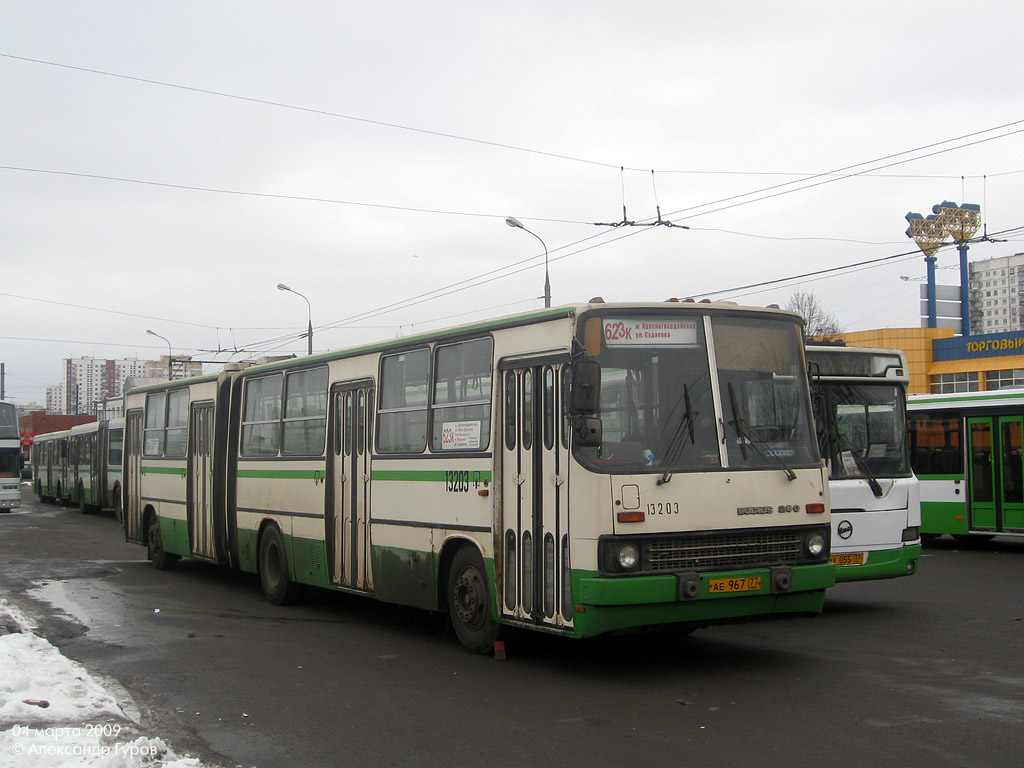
pixel 440 134
pixel 872 262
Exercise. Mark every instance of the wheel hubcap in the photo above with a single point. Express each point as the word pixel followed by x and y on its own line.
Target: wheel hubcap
pixel 468 597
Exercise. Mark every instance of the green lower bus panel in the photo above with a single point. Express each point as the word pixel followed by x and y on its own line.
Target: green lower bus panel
pixel 886 564
pixel 940 517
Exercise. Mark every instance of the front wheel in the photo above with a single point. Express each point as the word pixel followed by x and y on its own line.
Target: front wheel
pixel 162 561
pixel 469 602
pixel 277 584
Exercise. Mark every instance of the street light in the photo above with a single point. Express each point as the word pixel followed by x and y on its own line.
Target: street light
pixel 513 222
pixel 170 375
pixel 309 311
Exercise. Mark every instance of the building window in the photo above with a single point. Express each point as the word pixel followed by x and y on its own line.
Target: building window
pixel 1004 379
pixel 948 383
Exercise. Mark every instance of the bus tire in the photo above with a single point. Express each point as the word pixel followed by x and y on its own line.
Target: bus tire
pixel 469 602
pixel 162 561
pixel 277 584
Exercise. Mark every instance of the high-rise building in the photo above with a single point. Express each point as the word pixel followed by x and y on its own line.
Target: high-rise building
pixel 997 294
pixel 88 382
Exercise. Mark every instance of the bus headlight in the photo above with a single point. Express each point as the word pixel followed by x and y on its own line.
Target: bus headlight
pixel 815 545
pixel 628 557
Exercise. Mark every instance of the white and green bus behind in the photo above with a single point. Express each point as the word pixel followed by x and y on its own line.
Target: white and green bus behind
pixel 968 450
pixel 80 466
pixel 860 398
pixel 10 457
pixel 575 470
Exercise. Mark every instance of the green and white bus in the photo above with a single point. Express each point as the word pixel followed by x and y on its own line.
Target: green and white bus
pixel 576 470
pixel 968 451
pixel 80 466
pixel 859 397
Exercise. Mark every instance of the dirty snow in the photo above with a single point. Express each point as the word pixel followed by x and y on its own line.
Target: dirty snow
pixel 54 714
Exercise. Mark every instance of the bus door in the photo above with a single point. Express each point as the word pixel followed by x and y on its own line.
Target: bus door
pixel 66 471
pixel 348 494
pixel 131 493
pixel 996 470
pixel 534 515
pixel 199 490
pixel 94 493
pixel 1011 466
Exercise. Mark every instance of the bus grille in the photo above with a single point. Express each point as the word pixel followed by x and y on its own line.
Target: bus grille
pixel 722 551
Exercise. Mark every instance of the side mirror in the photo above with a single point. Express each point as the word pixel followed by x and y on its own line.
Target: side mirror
pixel 587 430
pixel 585 395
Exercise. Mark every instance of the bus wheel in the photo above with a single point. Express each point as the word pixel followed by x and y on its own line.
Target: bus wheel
pixel 469 603
pixel 162 561
pixel 278 586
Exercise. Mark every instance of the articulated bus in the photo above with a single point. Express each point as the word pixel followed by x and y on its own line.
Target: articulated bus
pixel 80 466
pixel 575 470
pixel 10 457
pixel 859 397
pixel 968 451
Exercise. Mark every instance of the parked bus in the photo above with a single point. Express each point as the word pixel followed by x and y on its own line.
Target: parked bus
pixel 10 457
pixel 967 450
pixel 859 397
pixel 575 470
pixel 80 466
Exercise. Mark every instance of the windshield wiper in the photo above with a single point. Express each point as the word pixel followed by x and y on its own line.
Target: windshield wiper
pixel 676 443
pixel 862 465
pixel 762 448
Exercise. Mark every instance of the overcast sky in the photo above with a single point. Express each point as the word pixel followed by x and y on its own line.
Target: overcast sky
pixel 172 162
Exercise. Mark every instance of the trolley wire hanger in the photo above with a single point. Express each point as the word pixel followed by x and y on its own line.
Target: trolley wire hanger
pixel 659 222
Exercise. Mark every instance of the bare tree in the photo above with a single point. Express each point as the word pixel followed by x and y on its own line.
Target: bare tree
pixel 818 321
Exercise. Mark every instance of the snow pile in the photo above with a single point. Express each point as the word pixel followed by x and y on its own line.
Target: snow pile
pixel 56 715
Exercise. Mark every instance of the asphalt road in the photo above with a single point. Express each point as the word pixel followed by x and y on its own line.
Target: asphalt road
pixel 919 671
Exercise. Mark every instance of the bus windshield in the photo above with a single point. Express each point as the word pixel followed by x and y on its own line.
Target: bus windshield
pixel 663 411
pixel 865 430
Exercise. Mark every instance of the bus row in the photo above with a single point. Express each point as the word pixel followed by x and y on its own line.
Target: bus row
pixel 575 470
pixel 80 466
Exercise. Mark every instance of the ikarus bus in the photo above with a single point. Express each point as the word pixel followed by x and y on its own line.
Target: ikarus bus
pixel 80 466
pixel 859 398
pixel 575 470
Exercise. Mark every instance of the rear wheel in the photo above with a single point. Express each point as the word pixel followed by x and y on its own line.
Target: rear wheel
pixel 469 602
pixel 162 561
pixel 277 584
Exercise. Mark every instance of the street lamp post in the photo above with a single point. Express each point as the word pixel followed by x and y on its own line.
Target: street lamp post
pixel 170 373
pixel 309 314
pixel 513 222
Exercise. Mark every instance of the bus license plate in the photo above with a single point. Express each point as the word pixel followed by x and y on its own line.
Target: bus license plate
pixel 741 584
pixel 855 558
